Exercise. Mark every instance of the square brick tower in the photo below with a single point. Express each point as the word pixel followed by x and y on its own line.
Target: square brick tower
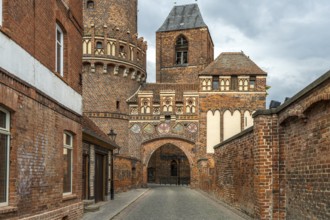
pixel 184 46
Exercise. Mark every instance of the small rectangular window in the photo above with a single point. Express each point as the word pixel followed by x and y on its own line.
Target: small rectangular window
pixel 234 83
pixel 167 117
pixel 67 163
pixel 252 82
pixel 215 83
pixel 117 105
pixel 4 156
pixel 59 50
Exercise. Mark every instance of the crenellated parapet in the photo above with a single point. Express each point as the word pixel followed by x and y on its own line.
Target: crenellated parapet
pixel 119 52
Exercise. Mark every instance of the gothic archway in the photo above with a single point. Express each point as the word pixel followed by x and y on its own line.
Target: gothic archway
pixel 169 165
pixel 187 149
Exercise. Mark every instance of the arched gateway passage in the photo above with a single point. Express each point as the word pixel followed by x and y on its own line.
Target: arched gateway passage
pixel 168 165
pixel 169 160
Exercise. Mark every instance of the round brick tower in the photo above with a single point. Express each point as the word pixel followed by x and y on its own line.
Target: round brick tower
pixel 114 63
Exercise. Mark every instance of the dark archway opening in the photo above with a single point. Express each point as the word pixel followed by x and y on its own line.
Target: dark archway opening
pixel 169 165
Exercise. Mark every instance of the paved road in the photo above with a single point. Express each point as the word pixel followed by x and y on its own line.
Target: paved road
pixel 174 203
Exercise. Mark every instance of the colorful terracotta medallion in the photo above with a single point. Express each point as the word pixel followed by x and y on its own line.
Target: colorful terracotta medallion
pixel 192 128
pixel 149 129
pixel 136 129
pixel 163 128
pixel 178 129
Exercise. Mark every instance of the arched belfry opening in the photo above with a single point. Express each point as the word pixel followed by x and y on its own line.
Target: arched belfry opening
pixel 181 50
pixel 169 165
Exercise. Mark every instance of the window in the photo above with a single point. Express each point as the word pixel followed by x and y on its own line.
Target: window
pixel 122 52
pixel 0 12
pixel 67 163
pixel 168 118
pixel 234 83
pixel 90 4
pixel 181 51
pixel 215 83
pixel 117 105
pixel 99 45
pixel 252 82
pixel 4 155
pixel 59 50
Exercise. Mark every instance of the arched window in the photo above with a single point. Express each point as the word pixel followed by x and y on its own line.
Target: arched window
pixel 4 155
pixel 174 168
pixel 90 4
pixel 181 50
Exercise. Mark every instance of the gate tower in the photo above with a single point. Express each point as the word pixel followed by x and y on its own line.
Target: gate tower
pixel 114 63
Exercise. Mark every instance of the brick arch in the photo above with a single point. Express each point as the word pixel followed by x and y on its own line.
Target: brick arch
pixel 294 111
pixel 181 35
pixel 148 148
pixel 314 100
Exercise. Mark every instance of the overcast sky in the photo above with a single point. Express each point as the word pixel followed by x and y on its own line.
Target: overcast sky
pixel 289 39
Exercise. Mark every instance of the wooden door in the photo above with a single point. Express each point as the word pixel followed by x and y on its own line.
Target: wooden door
pixel 99 187
pixel 85 176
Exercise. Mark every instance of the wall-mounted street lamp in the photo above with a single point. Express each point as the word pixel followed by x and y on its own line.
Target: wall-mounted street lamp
pixel 112 135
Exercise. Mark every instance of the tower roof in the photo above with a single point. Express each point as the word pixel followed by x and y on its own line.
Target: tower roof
pixel 232 63
pixel 183 17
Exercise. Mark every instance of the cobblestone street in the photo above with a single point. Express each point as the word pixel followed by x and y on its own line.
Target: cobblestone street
pixel 172 202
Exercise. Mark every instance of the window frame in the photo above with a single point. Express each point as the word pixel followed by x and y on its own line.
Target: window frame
pixel 68 147
pixel 1 12
pixel 181 50
pixel 6 131
pixel 252 83
pixel 61 43
pixel 215 83
pixel 99 45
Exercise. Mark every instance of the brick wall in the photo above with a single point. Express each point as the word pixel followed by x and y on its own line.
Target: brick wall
pixel 285 158
pixel 37 127
pixel 120 14
pixel 234 162
pixel 127 173
pixel 200 54
pixel 32 25
pixel 38 117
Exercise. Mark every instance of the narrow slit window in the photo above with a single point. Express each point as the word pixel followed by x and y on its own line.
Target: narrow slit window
pixel 4 156
pixel 59 50
pixel 67 163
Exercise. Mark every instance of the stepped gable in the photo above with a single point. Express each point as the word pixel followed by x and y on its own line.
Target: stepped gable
pixel 157 88
pixel 232 63
pixel 183 17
